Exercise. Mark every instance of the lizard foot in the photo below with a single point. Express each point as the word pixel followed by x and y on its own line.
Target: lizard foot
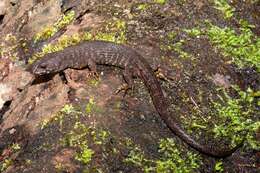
pixel 94 74
pixel 159 73
pixel 166 75
pixel 125 87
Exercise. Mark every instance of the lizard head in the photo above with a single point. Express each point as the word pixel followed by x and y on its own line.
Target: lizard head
pixel 47 65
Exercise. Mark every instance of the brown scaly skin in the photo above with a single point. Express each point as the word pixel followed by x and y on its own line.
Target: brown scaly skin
pixel 88 54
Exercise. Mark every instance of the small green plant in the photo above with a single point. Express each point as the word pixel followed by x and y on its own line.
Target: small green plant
pixel 94 82
pixel 160 1
pixel 225 8
pixel 5 164
pixel 143 6
pixel 68 109
pixel 237 119
pixel 177 47
pixel 90 106
pixel 194 32
pixel 136 157
pixel 8 161
pixel 76 138
pixel 59 167
pixel 85 155
pixel 171 35
pixel 219 166
pixel 15 147
pixel 99 137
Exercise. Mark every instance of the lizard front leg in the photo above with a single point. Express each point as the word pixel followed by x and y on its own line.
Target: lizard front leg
pixel 76 75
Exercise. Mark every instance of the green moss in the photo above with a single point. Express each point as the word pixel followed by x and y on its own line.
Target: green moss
pixel 173 159
pixel 51 30
pixel 10 47
pixel 243 48
pixel 80 137
pixel 226 9
pixel 67 109
pixel 63 42
pixel 178 48
pixel 77 138
pixel 238 119
pixel 8 161
pixel 114 31
pixel 168 45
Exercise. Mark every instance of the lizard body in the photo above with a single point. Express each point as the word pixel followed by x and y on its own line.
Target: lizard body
pixel 88 54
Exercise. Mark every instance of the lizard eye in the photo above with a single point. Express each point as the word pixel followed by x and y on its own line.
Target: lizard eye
pixel 43 65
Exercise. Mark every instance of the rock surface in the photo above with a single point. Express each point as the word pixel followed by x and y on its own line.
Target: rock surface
pixel 74 122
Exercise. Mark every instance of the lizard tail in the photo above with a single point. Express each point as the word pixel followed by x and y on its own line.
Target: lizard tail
pixel 160 104
pixel 208 150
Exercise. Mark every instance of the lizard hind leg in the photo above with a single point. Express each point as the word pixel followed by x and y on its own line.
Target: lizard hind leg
pixel 129 85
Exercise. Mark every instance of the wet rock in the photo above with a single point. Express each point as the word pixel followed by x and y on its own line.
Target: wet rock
pixel 249 78
pixel 4 68
pixel 14 2
pixel 15 134
pixel 5 91
pixel 80 7
pixel 42 15
pixel 34 104
pixel 14 16
pixel 88 21
pixel 10 86
pixel 31 17
pixel 68 5
pixel 65 158
pixel 2 8
pixel 2 11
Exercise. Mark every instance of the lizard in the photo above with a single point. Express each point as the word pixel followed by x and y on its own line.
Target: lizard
pixel 92 53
